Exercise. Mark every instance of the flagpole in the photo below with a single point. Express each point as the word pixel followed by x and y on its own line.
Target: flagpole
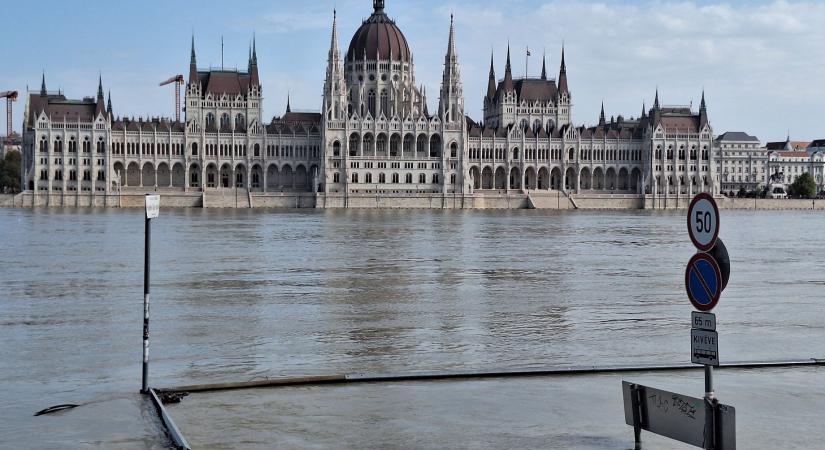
pixel 526 60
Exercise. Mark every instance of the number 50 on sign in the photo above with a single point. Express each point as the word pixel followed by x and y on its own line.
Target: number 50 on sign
pixel 703 222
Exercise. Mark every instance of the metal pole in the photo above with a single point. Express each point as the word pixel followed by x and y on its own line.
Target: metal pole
pixel 710 410
pixel 146 266
pixel 637 397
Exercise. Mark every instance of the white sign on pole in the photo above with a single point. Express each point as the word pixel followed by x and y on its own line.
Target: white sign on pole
pixel 152 206
pixel 704 347
pixel 703 222
pixel 703 321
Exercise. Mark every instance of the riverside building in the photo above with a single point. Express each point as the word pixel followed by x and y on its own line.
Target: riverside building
pixel 375 138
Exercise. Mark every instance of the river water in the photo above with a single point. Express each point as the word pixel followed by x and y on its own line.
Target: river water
pixel 246 294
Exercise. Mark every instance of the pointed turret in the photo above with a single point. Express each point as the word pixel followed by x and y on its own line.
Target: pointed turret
pixel 544 66
pixel 109 105
pixel 508 73
pixel 644 111
pixel 703 112
pixel 335 90
pixel 563 75
pixel 491 82
pixel 100 97
pixel 253 65
pixel 451 103
pixel 43 85
pixel 288 108
pixel 657 110
pixel 193 65
pixel 602 121
pixel 100 106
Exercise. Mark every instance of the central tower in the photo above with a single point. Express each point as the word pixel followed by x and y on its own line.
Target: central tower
pixel 379 134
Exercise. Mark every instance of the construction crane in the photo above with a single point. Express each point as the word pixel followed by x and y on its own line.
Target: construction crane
pixel 10 96
pixel 178 80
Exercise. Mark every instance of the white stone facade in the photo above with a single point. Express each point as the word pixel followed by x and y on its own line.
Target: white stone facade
pixel 374 135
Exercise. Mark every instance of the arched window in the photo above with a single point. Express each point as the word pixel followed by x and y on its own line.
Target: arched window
pixel 368 178
pixel 408 178
pixel 385 104
pixel 371 102
pixel 515 153
pixel 210 120
pixel 257 150
pixel 395 178
pixel 353 145
pixel 194 149
pixel 224 121
pixel 570 154
pixel 435 146
pixel 422 178
pixel 336 149
pixel 240 122
pixel 382 178
pixel 453 150
pixel 355 178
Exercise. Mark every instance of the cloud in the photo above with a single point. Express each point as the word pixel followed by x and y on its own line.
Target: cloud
pixel 757 60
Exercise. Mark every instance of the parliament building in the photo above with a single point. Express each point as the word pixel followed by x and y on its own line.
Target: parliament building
pixel 375 139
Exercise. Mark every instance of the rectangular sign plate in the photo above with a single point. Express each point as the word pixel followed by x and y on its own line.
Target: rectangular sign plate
pixel 704 347
pixel 678 416
pixel 152 206
pixel 703 321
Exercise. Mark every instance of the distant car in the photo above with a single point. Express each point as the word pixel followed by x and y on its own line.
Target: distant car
pixel 777 191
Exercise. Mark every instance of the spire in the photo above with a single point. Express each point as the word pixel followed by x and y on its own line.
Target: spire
pixel 602 121
pixel 254 50
pixel 334 51
pixel 450 101
pixel 192 56
pixel 109 104
pixel 451 40
pixel 193 65
pixel 491 83
pixel 544 66
pixel 100 88
pixel 703 111
pixel 288 108
pixel 253 63
pixel 657 110
pixel 644 111
pixel 43 85
pixel 508 74
pixel 563 74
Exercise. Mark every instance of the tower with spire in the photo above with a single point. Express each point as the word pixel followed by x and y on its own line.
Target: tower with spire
pixel 534 103
pixel 451 100
pixel 335 84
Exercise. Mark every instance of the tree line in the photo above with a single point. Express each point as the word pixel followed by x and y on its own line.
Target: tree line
pixel 10 173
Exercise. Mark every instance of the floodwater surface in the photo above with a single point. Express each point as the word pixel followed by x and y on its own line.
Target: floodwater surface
pixel 248 294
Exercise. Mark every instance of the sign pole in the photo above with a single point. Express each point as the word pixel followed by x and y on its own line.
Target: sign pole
pixel 152 211
pixel 146 266
pixel 710 410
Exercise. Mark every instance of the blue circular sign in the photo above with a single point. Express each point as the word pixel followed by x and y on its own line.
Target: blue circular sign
pixel 703 281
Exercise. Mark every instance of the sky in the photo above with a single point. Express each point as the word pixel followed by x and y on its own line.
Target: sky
pixel 760 62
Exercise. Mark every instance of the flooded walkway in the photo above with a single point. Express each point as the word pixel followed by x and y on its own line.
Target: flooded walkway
pixel 241 295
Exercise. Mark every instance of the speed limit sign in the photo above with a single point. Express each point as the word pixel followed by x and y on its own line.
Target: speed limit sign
pixel 703 222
